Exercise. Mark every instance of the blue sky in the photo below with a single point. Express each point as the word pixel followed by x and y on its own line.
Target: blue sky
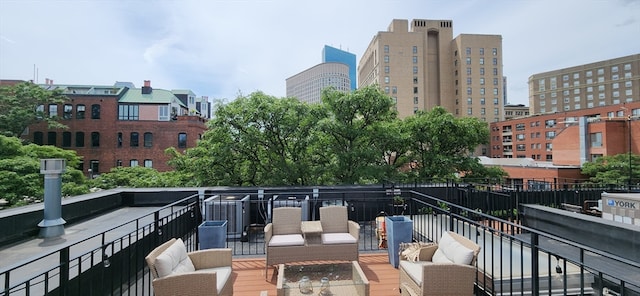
pixel 222 48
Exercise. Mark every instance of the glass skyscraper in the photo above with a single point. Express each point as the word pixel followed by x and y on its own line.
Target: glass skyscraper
pixel 334 55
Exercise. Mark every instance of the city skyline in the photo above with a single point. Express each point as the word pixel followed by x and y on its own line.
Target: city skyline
pixel 222 48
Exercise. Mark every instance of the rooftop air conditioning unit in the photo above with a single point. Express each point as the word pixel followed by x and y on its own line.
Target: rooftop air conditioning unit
pixel 290 201
pixel 231 208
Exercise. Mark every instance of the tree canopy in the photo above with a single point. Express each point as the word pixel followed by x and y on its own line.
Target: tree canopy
pixel 351 138
pixel 23 104
pixel 613 169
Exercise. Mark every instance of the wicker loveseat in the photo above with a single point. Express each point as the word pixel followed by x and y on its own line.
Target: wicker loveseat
pixel 286 242
pixel 176 272
pixel 446 268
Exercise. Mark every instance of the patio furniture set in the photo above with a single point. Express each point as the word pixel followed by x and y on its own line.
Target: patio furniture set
pixel 445 268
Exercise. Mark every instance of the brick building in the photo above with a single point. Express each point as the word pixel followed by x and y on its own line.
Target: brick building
pixel 112 126
pixel 555 146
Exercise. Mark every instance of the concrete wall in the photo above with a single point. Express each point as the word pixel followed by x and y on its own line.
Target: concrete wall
pixel 614 237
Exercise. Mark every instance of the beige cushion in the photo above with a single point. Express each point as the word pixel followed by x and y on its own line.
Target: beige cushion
pixel 454 250
pixel 338 238
pixel 413 269
pixel 174 260
pixel 286 240
pixel 440 257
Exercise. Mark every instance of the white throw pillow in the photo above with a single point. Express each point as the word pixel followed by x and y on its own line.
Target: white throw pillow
pixel 174 260
pixel 440 257
pixel 454 250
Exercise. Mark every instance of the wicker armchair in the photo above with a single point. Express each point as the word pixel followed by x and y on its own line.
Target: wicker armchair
pixel 446 268
pixel 283 236
pixel 176 272
pixel 335 220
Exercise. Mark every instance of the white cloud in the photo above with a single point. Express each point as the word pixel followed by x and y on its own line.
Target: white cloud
pixel 218 48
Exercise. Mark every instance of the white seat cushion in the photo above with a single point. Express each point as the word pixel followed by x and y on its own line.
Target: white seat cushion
pixel 338 238
pixel 174 260
pixel 413 269
pixel 286 240
pixel 222 275
pixel 454 250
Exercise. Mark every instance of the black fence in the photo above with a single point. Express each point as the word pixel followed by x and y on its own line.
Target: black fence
pixel 515 260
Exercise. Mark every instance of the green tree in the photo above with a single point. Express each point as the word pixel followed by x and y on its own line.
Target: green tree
pixel 137 177
pixel 613 169
pixel 19 107
pixel 255 140
pixel 355 129
pixel 443 144
pixel 20 178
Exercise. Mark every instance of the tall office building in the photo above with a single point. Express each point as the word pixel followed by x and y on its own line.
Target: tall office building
pixel 332 54
pixel 426 67
pixel 601 83
pixel 307 85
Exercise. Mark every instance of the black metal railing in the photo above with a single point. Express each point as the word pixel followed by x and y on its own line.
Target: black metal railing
pixel 514 259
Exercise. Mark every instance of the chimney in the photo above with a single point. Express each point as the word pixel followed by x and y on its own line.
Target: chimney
pixel 146 89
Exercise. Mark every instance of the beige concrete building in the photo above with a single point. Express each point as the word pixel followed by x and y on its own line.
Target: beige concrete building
pixel 425 66
pixel 515 111
pixel 592 85
pixel 307 85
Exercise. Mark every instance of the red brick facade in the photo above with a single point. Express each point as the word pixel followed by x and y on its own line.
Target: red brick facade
pixel 111 151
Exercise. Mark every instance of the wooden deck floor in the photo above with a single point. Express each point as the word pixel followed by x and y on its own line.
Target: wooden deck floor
pixel 249 277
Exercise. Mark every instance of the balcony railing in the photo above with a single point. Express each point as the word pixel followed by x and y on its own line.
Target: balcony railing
pixel 514 259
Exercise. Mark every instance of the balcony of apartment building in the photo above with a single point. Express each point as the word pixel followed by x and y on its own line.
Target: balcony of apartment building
pixel 519 253
pixel 507 130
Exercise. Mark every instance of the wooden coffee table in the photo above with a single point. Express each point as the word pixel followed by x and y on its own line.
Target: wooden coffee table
pixel 345 278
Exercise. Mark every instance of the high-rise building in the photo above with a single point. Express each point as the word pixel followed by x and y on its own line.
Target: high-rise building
pixel 332 54
pixel 426 67
pixel 603 83
pixel 307 85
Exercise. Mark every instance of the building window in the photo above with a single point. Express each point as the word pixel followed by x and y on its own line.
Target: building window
pixel 550 123
pixel 468 61
pixel 495 81
pixel 469 101
pixel 386 89
pixel 128 112
pixel 80 108
pixel 415 100
pixel 182 140
pixel 468 50
pixel 481 71
pixel 415 69
pixel 549 146
pixel 394 89
pixel 596 139
pixel 79 139
pixel 468 80
pixel 481 50
pixel 386 58
pixel 119 140
pixel 469 111
pixel 40 111
pixel 481 81
pixel 148 163
pixel 94 168
pixel 95 139
pixel 38 138
pixel 495 61
pixel 133 163
pixel 495 101
pixel 66 139
pixel 495 71
pixel 494 51
pixel 415 49
pixel 119 162
pixel 133 139
pixel 95 111
pixel 163 113
pixel 386 69
pixel 482 101
pixel 53 110
pixel 415 59
pixel 481 61
pixel 67 111
pixel 386 49
pixel 415 89
pixel 469 91
pixel 52 138
pixel 550 135
pixel 415 80
pixel 482 91
pixel 386 79
pixel 148 139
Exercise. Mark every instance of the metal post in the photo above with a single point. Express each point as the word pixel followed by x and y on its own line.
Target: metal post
pixel 52 225
pixel 630 169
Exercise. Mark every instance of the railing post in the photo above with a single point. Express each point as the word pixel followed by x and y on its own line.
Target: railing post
pixel 535 278
pixel 64 271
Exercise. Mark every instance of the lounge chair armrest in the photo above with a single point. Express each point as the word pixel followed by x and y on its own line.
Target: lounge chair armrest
pixel 268 232
pixel 211 258
pixel 354 229
pixel 193 282
pixel 426 253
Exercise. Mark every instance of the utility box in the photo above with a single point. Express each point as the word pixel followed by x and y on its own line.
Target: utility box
pixel 399 230
pixel 233 208
pixel 213 234
pixel 621 207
